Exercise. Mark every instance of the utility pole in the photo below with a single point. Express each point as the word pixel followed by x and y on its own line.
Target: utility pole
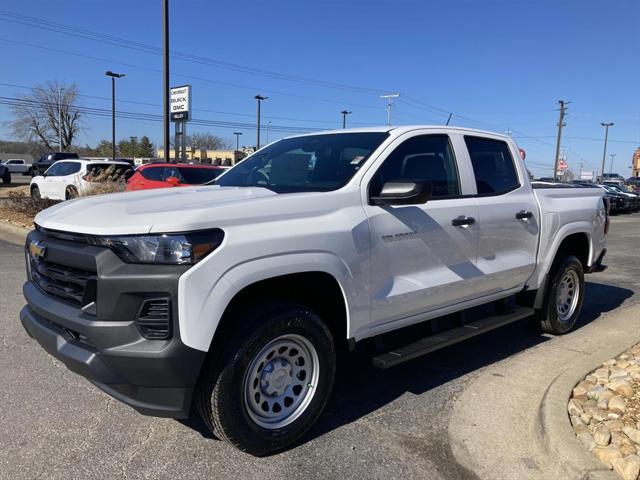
pixel 604 153
pixel 563 107
pixel 113 76
pixel 133 148
pixel 165 89
pixel 268 125
pixel 237 134
pixel 389 98
pixel 344 117
pixel 60 89
pixel 259 98
pixel 611 164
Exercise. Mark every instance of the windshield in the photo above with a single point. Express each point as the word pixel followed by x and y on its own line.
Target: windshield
pixel 303 164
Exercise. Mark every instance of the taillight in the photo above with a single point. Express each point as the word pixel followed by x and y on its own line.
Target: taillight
pixel 87 177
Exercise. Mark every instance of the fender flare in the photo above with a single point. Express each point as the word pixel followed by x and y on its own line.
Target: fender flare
pixel 199 318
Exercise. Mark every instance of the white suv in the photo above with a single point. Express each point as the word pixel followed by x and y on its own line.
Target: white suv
pixel 66 179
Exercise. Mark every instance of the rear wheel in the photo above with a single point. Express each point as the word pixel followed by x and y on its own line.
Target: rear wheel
pixel 271 382
pixel 35 193
pixel 564 298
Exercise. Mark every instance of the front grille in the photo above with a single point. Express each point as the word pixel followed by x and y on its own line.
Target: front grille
pixel 154 318
pixel 72 285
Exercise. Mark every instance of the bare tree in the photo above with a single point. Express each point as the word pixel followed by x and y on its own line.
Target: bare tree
pixel 206 141
pixel 46 112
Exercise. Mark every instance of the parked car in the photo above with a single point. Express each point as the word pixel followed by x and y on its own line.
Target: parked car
pixel 17 166
pixel 45 161
pixel 634 184
pixel 633 197
pixel 164 175
pixel 624 203
pixel 235 298
pixel 5 174
pixel 611 178
pixel 615 202
pixel 66 179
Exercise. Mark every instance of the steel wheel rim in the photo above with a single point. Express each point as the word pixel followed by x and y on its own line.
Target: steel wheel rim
pixel 281 381
pixel 567 295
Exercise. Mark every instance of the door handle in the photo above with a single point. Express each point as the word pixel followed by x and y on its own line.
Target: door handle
pixel 463 221
pixel 524 215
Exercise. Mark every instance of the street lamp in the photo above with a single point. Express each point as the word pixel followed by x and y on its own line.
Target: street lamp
pixel 60 90
pixel 604 153
pixel 344 118
pixel 237 134
pixel 259 98
pixel 113 76
pixel 133 147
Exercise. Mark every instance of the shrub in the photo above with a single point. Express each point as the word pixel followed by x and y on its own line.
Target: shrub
pixel 21 202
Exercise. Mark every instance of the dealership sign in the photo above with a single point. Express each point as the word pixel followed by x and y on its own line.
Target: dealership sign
pixel 180 103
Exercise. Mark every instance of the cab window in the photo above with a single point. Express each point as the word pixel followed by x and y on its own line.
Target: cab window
pixel 422 158
pixel 493 165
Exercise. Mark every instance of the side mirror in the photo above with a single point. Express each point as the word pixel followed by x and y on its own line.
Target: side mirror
pixel 403 193
pixel 173 181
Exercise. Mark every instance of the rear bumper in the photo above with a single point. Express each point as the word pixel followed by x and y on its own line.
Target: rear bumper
pixel 597 265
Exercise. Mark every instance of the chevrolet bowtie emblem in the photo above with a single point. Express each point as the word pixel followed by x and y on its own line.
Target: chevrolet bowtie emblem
pixel 37 249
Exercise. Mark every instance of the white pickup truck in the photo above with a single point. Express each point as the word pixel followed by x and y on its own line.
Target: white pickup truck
pixel 235 297
pixel 17 165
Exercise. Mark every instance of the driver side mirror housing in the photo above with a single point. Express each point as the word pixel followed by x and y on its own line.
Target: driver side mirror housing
pixel 173 181
pixel 403 193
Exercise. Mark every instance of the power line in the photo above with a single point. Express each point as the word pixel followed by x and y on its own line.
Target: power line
pixel 151 49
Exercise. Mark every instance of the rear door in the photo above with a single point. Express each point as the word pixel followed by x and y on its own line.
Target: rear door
pixel 148 177
pixel 508 216
pixel 420 259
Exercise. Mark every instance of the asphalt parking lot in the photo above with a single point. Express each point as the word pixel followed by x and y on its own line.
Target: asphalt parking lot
pixel 378 424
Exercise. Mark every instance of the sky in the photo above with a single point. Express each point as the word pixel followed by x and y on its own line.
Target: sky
pixel 498 65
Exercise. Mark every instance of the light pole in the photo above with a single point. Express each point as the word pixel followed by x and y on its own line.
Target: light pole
pixel 604 153
pixel 113 76
pixel 237 134
pixel 259 98
pixel 133 147
pixel 165 77
pixel 344 117
pixel 268 125
pixel 611 164
pixel 60 116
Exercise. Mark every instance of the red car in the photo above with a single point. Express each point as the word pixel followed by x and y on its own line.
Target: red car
pixel 163 175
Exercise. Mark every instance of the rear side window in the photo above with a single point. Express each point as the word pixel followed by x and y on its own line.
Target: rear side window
pixel 492 165
pixel 153 173
pixel 423 158
pixel 67 168
pixel 198 176
pixel 112 172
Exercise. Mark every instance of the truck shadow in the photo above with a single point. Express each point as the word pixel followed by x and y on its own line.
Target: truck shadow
pixel 360 389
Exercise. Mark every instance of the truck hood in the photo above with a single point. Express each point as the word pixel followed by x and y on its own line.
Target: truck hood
pixel 161 210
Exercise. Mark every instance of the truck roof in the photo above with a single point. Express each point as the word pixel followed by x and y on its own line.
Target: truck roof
pixel 399 130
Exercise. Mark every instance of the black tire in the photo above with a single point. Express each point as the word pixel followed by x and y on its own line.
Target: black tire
pixel 71 193
pixel 220 395
pixel 35 193
pixel 6 178
pixel 550 317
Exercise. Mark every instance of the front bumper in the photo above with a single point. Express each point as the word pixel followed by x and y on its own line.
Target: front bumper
pixel 105 345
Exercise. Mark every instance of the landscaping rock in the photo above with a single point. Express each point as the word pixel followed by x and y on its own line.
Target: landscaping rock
pixel 633 434
pixel 602 436
pixel 575 407
pixel 607 455
pixel 628 468
pixel 621 387
pixel 617 404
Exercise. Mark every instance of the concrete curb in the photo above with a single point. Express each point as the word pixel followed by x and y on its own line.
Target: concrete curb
pixel 558 438
pixel 12 233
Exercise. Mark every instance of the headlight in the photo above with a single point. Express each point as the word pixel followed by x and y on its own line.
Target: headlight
pixel 165 249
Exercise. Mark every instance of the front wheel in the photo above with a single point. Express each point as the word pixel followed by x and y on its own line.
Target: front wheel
pixel 565 295
pixel 271 382
pixel 6 178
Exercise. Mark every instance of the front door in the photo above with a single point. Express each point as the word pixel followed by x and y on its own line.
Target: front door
pixel 423 256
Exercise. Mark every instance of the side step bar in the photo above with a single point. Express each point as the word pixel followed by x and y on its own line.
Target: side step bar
pixel 449 337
